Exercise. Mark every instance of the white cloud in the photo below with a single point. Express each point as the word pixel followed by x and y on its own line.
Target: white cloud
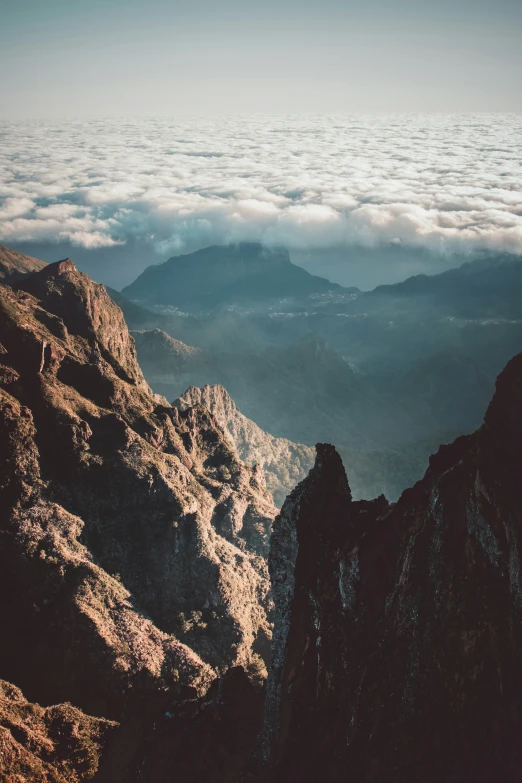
pixel 441 182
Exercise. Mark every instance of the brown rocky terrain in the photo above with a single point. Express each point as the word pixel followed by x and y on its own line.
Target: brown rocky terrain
pixel 132 537
pixel 283 462
pixel 397 637
pixel 15 265
pixel 56 744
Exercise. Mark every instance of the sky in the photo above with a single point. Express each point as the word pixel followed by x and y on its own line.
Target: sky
pixel 374 140
pixel 161 57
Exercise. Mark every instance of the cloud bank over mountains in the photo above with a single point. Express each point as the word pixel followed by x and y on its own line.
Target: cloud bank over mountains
pixel 443 183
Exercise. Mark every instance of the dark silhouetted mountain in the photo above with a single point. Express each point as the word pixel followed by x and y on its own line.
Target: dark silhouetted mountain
pixel 486 288
pixel 397 638
pixel 218 277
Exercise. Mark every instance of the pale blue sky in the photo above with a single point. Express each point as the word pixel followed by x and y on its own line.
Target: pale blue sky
pixel 128 58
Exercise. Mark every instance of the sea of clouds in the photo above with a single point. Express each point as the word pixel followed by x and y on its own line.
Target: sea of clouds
pixel 445 183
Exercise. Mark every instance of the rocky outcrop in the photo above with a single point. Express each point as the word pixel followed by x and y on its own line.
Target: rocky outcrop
pixel 283 462
pixel 131 534
pixel 56 744
pixel 15 265
pixel 397 636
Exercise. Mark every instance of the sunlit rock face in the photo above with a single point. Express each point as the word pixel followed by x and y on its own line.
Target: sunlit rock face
pixel 57 744
pixel 397 638
pixel 133 538
pixel 284 463
pixel 14 265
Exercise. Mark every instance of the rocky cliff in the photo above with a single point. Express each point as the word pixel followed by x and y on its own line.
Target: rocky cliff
pixel 283 462
pixel 397 637
pixel 132 537
pixel 15 265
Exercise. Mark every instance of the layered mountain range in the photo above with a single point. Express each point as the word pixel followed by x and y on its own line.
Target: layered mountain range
pixel 146 579
pixel 300 394
pixel 386 375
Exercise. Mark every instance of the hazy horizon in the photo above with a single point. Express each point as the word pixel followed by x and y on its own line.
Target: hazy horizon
pixel 361 199
pixel 372 141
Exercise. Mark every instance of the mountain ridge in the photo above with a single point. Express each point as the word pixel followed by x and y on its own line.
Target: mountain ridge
pixel 285 463
pixel 219 276
pixel 15 265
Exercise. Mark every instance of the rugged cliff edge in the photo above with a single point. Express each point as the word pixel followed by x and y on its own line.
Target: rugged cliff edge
pixel 132 537
pixel 14 265
pixel 398 637
pixel 283 462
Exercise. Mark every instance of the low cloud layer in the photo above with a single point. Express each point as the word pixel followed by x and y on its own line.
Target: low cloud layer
pixel 448 184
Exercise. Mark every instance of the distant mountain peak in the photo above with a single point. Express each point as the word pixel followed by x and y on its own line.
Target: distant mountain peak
pixel 243 275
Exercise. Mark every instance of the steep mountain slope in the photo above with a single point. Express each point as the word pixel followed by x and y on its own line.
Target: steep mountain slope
pixel 397 637
pixel 132 536
pixel 284 463
pixel 56 744
pixel 242 275
pixel 136 317
pixel 14 265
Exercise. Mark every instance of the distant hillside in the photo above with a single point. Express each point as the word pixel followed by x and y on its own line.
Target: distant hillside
pixel 306 392
pixel 485 288
pixel 14 265
pixel 243 275
pixel 136 317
